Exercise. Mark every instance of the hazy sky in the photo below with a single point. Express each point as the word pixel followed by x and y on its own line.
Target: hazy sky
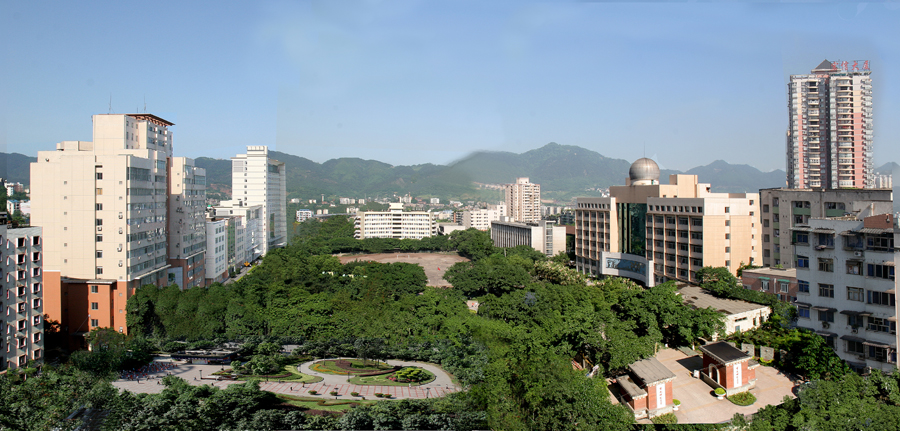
pixel 431 81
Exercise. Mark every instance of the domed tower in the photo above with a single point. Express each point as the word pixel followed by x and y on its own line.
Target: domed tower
pixel 644 172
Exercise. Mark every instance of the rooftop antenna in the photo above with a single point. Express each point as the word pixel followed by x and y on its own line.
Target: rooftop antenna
pixel 110 103
pixel 145 103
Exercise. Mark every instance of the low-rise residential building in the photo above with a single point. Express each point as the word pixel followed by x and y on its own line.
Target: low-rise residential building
pixel 303 215
pixel 23 304
pixel 481 218
pixel 13 205
pixel 395 223
pixel 846 286
pixel 727 367
pixel 739 315
pixel 543 236
pixel 777 281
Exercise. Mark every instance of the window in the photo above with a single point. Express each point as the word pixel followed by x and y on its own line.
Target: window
pixel 801 238
pixel 727 210
pixel 826 316
pixel 784 287
pixel 765 209
pixel 826 265
pixel 95 306
pixel 99 191
pixel 36 288
pixel 99 270
pixel 94 289
pixel 95 323
pixel 855 320
pixel 854 294
pixel 880 298
pixel 802 262
pixel 99 175
pixel 826 290
pixel 879 354
pixel 854 267
pixel 880 271
pixel 99 238
pixel 99 254
pixel 764 285
pixel 881 325
pixel 99 207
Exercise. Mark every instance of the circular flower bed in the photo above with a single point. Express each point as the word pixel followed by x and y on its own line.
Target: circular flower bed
pixel 409 375
pixel 742 399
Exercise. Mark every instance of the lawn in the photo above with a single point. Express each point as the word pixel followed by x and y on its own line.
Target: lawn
pixel 296 376
pixel 340 405
pixel 330 366
pixel 382 380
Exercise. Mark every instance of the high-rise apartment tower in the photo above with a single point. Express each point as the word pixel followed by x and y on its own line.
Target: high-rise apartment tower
pixel 829 136
pixel 523 201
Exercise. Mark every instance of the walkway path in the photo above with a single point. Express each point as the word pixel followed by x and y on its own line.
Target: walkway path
pixel 200 375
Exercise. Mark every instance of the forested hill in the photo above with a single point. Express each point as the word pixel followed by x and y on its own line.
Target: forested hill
pixel 15 167
pixel 564 171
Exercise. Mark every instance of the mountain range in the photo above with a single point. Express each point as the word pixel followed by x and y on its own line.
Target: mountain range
pixel 563 171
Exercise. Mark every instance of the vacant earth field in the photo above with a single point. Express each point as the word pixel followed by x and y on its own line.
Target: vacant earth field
pixel 434 264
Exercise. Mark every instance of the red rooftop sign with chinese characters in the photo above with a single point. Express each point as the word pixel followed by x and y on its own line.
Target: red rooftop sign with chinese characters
pixel 846 66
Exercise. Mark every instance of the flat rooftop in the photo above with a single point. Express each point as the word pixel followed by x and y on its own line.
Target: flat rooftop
pixel 773 272
pixel 699 298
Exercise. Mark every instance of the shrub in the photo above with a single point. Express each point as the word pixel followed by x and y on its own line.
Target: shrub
pixel 676 402
pixel 668 418
pixel 312 392
pixel 354 394
pixel 742 399
pixel 720 391
pixel 379 394
pixel 333 393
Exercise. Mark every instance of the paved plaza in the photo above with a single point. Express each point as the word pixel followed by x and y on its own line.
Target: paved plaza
pixel 700 405
pixel 202 375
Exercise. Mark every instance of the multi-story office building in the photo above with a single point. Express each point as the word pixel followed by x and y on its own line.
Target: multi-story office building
pixel 654 232
pixel 543 236
pixel 103 209
pixel 395 223
pixel 216 250
pixel 829 137
pixel 258 180
pixel 186 223
pixel 22 339
pixel 481 218
pixel 846 286
pixel 782 209
pixel 523 201
pixel 249 234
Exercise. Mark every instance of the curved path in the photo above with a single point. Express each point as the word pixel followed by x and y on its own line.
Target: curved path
pixel 200 375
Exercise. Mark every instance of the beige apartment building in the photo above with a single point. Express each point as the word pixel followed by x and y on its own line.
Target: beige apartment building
pixel 781 209
pixel 523 201
pixel 653 232
pixel 481 218
pixel 187 223
pixel 104 207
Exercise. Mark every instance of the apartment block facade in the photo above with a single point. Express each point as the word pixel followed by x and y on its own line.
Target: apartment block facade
pixel 248 231
pixel 22 340
pixel 781 209
pixel 523 201
pixel 258 180
pixel 186 223
pixel 847 285
pixel 217 250
pixel 543 236
pixel 829 137
pixel 653 232
pixel 481 218
pixel 395 223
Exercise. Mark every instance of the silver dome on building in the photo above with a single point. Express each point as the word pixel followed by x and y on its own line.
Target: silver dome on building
pixel 643 172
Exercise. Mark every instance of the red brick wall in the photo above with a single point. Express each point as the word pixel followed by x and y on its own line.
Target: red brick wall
pixel 881 221
pixel 651 395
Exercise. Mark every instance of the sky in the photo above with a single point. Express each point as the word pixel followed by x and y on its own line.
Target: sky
pixel 410 82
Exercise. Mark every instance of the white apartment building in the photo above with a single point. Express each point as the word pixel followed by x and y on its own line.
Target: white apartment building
pixel 216 250
pixel 481 218
pixel 653 232
pixel 543 236
pixel 249 247
pixel 395 223
pixel 829 137
pixel 258 180
pixel 303 215
pixel 13 205
pixel 847 285
pixel 186 223
pixel 523 201
pixel 102 205
pixel 22 299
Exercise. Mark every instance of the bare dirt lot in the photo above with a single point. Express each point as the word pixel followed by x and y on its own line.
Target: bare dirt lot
pixel 435 264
